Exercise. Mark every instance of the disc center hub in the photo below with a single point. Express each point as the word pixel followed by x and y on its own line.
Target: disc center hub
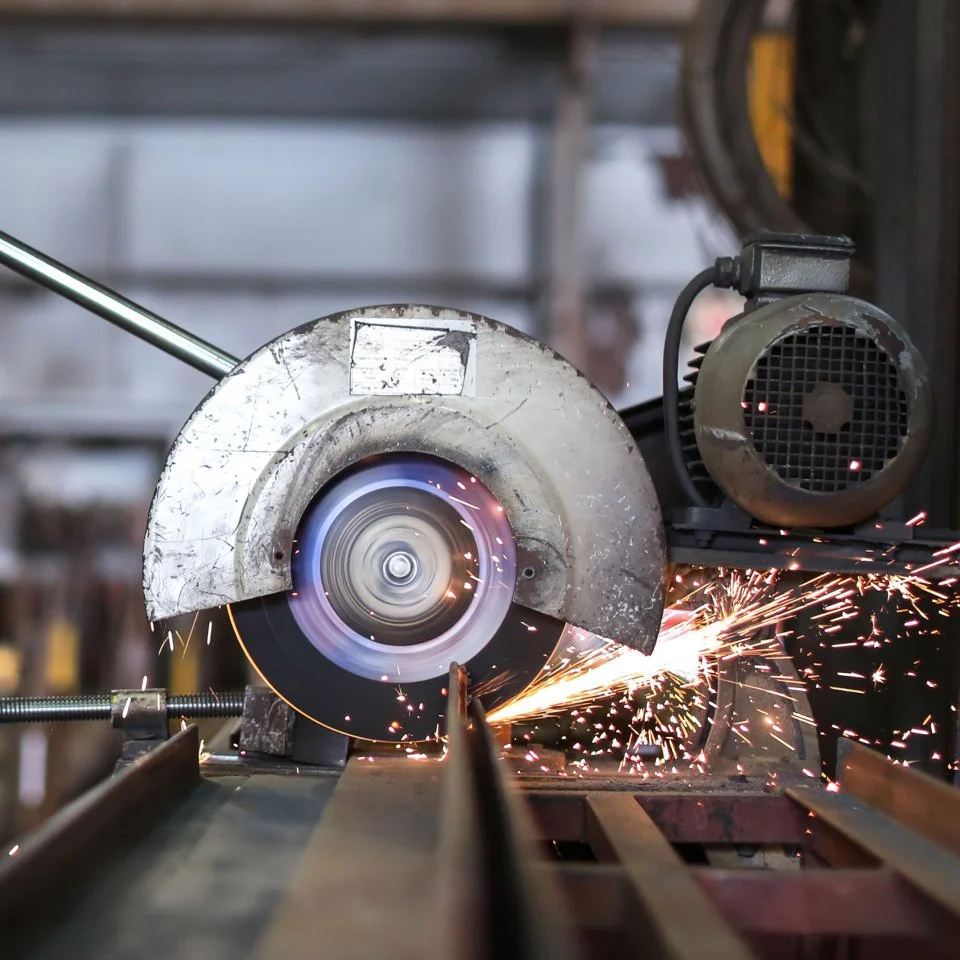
pixel 400 567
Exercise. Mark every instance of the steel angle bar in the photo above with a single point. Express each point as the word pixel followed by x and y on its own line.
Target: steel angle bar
pixel 57 861
pixel 928 867
pixel 915 799
pixel 850 903
pixel 114 308
pixel 673 918
pixel 496 903
pixel 421 858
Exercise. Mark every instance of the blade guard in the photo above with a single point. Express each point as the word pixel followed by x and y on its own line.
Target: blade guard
pixel 415 379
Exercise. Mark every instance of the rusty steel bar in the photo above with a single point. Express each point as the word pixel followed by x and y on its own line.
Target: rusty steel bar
pixel 874 904
pixel 918 801
pixel 933 870
pixel 495 903
pixel 423 859
pixel 43 873
pixel 673 918
pixel 851 903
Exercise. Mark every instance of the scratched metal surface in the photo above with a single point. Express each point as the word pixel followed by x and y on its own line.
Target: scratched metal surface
pixel 204 883
pixel 538 433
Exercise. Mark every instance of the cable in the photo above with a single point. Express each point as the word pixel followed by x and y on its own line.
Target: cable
pixel 671 389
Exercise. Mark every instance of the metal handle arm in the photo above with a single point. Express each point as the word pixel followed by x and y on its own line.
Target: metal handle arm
pixel 116 309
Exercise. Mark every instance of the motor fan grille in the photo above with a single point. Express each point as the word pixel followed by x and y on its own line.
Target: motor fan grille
pixel 825 408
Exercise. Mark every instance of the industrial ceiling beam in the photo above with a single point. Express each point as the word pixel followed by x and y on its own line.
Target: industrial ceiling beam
pixel 622 13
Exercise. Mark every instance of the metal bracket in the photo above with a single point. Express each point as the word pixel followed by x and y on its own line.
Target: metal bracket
pixel 141 715
pixel 726 536
pixel 271 726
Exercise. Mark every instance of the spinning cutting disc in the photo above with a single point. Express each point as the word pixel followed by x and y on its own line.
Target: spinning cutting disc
pixel 402 565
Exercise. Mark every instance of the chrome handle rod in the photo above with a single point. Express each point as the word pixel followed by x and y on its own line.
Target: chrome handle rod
pixel 114 308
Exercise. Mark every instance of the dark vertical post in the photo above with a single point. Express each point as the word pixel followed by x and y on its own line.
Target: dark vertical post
pixel 911 152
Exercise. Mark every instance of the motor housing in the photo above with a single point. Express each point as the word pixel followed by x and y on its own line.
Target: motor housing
pixel 813 410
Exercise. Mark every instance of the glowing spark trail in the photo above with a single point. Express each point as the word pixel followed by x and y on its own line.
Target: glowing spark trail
pixel 726 617
pixel 616 700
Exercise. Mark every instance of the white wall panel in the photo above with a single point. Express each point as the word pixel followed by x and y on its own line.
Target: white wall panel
pixel 60 188
pixel 339 200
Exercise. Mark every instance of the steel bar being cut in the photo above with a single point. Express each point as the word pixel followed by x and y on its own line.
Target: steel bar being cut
pixel 422 858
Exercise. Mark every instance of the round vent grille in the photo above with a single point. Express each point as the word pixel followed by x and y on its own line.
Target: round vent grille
pixel 825 408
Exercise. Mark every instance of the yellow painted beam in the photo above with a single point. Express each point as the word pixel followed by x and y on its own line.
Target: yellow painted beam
pixel 185 658
pixel 771 104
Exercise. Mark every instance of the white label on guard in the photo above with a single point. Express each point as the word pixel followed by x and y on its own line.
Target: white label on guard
pixel 392 357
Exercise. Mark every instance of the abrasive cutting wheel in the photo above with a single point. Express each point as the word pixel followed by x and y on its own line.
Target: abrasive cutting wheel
pixel 402 565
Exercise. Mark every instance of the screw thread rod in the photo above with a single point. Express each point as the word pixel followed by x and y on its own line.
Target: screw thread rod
pixel 97 706
pixel 200 706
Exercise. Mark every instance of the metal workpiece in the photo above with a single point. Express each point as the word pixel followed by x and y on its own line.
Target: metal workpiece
pixel 107 706
pixel 426 858
pixel 430 857
pixel 364 882
pixel 492 900
pixel 455 386
pixel 114 308
pixel 813 411
pixel 38 879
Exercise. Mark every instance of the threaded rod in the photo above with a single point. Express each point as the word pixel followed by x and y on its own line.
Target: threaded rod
pixel 204 706
pixel 97 706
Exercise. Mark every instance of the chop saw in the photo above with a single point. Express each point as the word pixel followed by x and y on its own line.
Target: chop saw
pixel 382 493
